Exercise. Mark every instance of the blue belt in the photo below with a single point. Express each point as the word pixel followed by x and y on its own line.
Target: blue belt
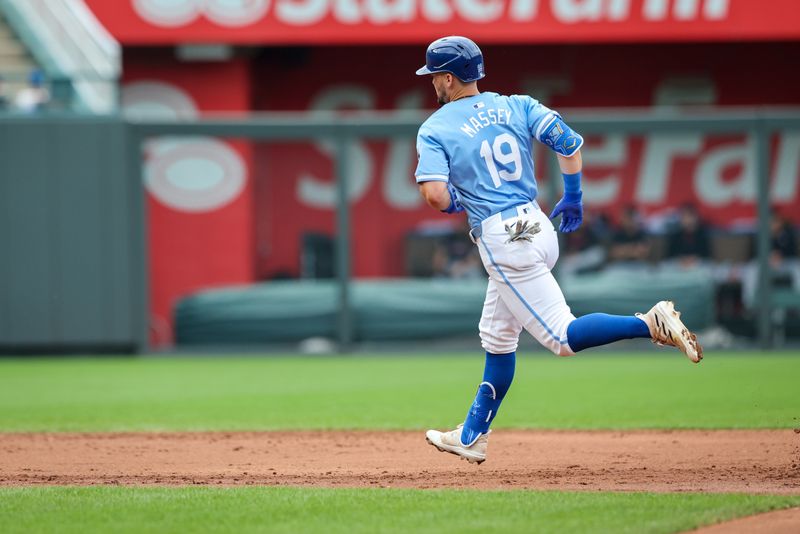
pixel 508 213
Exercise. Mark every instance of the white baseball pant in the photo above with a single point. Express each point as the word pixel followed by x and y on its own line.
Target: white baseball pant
pixel 522 292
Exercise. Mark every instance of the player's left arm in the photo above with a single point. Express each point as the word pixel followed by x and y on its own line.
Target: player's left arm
pixel 436 194
pixel 441 196
pixel 432 174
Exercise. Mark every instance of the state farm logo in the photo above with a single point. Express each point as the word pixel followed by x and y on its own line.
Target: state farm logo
pixel 174 13
pixel 235 13
pixel 189 174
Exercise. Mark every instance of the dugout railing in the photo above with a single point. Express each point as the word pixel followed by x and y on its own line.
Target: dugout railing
pixel 344 128
pixel 759 123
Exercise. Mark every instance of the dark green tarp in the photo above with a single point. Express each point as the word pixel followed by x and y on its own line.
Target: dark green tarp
pixel 410 309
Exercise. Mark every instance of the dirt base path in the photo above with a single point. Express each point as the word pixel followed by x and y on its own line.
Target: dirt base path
pixel 715 461
pixel 778 522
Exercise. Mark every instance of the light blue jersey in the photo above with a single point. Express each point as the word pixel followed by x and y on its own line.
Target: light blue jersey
pixel 482 146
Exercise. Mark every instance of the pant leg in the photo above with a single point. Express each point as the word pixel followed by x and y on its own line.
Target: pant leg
pixel 522 277
pixel 499 329
pixel 540 306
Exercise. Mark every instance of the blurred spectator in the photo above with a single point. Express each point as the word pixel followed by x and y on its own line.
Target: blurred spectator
pixel 3 98
pixel 783 240
pixel 783 262
pixel 689 241
pixel 629 243
pixel 456 256
pixel 585 249
pixel 35 97
pixel 595 230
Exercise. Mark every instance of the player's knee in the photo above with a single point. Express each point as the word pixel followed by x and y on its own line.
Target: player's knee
pixel 564 350
pixel 560 347
pixel 496 345
pixel 499 337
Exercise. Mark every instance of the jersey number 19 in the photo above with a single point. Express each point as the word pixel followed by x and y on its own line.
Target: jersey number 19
pixel 495 152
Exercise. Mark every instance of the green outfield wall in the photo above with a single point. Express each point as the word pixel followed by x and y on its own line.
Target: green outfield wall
pixel 71 223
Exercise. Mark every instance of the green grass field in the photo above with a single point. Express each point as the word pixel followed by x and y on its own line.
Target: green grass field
pixel 235 510
pixel 648 390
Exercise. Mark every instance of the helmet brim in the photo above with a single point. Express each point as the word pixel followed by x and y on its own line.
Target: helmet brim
pixel 423 71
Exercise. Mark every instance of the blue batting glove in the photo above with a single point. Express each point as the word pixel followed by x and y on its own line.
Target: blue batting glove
pixel 570 208
pixel 455 203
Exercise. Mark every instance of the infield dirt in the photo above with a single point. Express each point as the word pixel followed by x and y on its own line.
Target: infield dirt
pixel 747 461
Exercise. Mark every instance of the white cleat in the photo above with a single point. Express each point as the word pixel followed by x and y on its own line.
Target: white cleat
pixel 451 442
pixel 666 328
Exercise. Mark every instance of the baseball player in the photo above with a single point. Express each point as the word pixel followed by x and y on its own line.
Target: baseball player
pixel 475 156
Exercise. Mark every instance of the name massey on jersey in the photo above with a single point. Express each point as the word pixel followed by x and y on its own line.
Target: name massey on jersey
pixel 485 118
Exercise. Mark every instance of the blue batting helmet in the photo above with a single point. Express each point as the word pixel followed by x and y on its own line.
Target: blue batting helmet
pixel 457 55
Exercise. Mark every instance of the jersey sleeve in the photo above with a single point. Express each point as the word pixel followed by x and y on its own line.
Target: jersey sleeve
pixel 433 164
pixel 536 113
pixel 547 127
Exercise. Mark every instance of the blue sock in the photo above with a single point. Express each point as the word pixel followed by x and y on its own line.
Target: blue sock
pixel 497 377
pixel 598 329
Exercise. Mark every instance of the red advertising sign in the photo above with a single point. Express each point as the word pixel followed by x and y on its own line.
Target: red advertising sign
pixel 199 190
pixel 419 21
pixel 225 212
pixel 657 172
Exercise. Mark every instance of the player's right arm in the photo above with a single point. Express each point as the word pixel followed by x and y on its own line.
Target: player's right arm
pixel 549 128
pixel 570 207
pixel 572 164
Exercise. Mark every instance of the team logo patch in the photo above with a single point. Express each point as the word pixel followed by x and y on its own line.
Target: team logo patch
pixel 555 132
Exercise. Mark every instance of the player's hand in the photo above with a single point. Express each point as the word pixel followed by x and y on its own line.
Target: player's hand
pixel 570 208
